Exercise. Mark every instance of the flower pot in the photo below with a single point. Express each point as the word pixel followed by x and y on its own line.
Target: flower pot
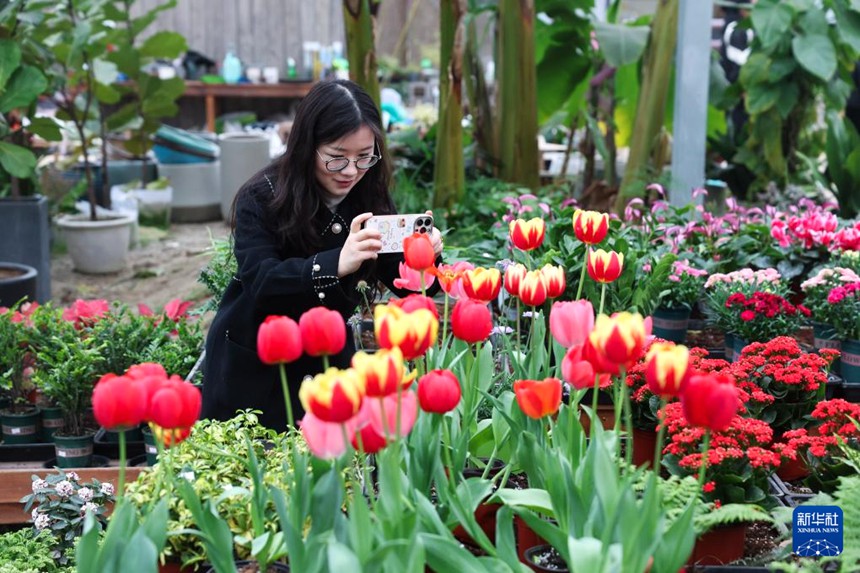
pixel 171 567
pixel 23 428
pixel 738 345
pixel 52 420
pixel 526 538
pixel 729 345
pixel 644 443
pixel 671 323
pixel 17 282
pixel 242 155
pixel 149 446
pixel 74 451
pixel 485 513
pixel 26 226
pixel 825 336
pixel 242 567
pixel 605 413
pixel 97 247
pixel 720 545
pixel 791 470
pixel 544 558
pixel 850 364
pixel 196 191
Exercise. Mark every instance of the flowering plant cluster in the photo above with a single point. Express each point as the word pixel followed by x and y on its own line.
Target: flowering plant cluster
pixel 763 316
pixel 819 447
pixel 62 501
pixel 792 380
pixel 817 290
pixel 809 227
pixel 683 287
pixel 719 287
pixel 845 306
pixel 739 461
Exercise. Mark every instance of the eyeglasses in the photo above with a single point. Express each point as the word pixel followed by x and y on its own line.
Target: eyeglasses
pixel 340 163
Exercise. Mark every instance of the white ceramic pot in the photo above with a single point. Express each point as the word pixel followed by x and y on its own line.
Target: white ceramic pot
pixel 196 191
pixel 242 155
pixel 97 247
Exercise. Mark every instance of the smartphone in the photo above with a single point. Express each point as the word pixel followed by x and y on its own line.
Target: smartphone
pixel 395 228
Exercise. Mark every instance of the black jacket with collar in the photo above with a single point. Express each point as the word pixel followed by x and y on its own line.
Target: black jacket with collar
pixel 274 279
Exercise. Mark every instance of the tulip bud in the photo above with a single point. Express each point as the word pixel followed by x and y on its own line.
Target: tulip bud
pixel 590 227
pixel 438 391
pixel 666 368
pixel 174 407
pixel 513 277
pixel 554 279
pixel 418 252
pixel 605 267
pixel 482 284
pixel 323 331
pixel 371 442
pixel 538 398
pixel 533 289
pixel 527 235
pixel 710 401
pixel 471 321
pixel 332 396
pixel 279 340
pixel 571 322
pixel 413 302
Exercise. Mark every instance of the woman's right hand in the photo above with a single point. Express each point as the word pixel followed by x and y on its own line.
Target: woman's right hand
pixel 361 245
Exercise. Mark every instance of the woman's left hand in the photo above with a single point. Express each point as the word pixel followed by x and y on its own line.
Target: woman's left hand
pixel 435 238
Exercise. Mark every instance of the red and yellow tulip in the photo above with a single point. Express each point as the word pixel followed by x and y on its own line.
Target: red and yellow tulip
pixel 666 368
pixel 603 266
pixel 554 279
pixel 413 332
pixel 619 338
pixel 482 284
pixel 533 289
pixel 334 395
pixel 513 277
pixel 382 371
pixel 590 227
pixel 527 235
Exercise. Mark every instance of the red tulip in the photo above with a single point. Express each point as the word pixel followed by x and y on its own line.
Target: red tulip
pixel 554 280
pixel 604 267
pixel 666 368
pixel 174 407
pixel 590 227
pixel 323 331
pixel 527 235
pixel 418 252
pixel 119 402
pixel 279 340
pixel 538 398
pixel 471 321
pixel 571 322
pixel 371 442
pixel 533 289
pixel 415 301
pixel 146 370
pixel 482 284
pixel 514 277
pixel 579 372
pixel 710 401
pixel 438 391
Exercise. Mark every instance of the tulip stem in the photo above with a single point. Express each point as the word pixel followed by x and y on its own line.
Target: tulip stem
pixel 533 341
pixel 706 444
pixel 594 397
pixel 122 456
pixel 489 462
pixel 628 417
pixel 365 472
pixel 384 419
pixel 582 275
pixel 519 339
pixel 287 398
pixel 661 432
pixel 423 287
pixel 445 324
pixel 446 451
pixel 602 298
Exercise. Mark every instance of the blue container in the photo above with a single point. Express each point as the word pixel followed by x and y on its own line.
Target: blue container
pixel 671 323
pixel 730 346
pixel 738 345
pixel 850 364
pixel 824 336
pixel 173 145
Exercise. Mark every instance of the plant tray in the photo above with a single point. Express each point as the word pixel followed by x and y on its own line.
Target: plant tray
pixel 36 452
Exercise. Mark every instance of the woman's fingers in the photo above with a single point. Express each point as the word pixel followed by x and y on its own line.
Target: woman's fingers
pixel 358 221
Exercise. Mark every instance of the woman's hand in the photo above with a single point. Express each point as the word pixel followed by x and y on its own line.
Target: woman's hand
pixel 361 245
pixel 435 238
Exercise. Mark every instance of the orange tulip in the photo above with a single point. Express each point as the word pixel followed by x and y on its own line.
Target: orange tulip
pixel 418 252
pixel 382 371
pixel 619 338
pixel 413 333
pixel 527 235
pixel 666 368
pixel 554 279
pixel 590 227
pixel 605 267
pixel 333 396
pixel 538 398
pixel 513 277
pixel 533 289
pixel 482 284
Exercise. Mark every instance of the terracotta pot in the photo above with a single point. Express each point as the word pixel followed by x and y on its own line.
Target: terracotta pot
pixel 171 567
pixel 720 545
pixel 644 442
pixel 526 538
pixel 792 470
pixel 606 414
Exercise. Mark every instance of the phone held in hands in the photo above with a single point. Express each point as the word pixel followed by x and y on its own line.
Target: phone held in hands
pixel 395 228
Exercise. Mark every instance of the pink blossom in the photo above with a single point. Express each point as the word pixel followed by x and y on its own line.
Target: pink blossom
pixel 410 279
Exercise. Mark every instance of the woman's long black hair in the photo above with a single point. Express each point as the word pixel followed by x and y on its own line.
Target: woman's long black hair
pixel 330 111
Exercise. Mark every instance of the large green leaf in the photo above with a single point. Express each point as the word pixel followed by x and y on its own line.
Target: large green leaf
pixel 761 97
pixel 105 72
pixel 756 70
pixel 46 128
pixel 816 54
pixel 10 59
pixel 621 44
pixel 23 88
pixel 18 161
pixel 848 26
pixel 814 23
pixel 789 94
pixel 558 76
pixel 771 18
pixel 164 44
pixel 779 68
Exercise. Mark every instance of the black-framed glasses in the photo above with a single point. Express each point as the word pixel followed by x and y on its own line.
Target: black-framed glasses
pixel 340 163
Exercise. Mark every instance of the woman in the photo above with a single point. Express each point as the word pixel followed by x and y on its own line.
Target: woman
pixel 299 243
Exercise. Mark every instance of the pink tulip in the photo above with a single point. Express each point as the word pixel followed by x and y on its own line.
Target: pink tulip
pixel 571 322
pixel 410 279
pixel 388 407
pixel 326 439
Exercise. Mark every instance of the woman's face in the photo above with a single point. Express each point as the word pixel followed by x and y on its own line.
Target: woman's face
pixel 359 143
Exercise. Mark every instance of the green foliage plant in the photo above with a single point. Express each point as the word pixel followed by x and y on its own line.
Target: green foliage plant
pixel 24 551
pixel 14 353
pixel 218 272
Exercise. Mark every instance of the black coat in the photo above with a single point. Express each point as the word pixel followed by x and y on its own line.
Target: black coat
pixel 277 280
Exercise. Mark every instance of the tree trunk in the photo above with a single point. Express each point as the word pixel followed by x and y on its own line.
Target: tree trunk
pixel 486 156
pixel 517 109
pixel 360 46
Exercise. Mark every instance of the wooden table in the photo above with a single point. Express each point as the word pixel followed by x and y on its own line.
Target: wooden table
pixel 210 92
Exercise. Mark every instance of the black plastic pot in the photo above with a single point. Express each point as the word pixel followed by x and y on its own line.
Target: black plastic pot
pixel 26 225
pixel 282 567
pixel 533 559
pixel 17 282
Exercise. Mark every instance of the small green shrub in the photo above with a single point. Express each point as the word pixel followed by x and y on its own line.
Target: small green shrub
pixel 26 551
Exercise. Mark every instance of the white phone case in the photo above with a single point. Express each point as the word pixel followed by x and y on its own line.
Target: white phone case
pixel 395 228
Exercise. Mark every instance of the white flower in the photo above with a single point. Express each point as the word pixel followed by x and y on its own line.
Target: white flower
pixel 73 476
pixel 86 494
pixel 35 513
pixel 107 488
pixel 89 507
pixel 42 522
pixel 65 488
pixel 39 484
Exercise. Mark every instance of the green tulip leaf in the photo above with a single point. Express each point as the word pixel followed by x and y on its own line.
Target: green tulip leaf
pixel 10 59
pixel 771 19
pixel 816 54
pixel 620 44
pixel 23 88
pixel 18 161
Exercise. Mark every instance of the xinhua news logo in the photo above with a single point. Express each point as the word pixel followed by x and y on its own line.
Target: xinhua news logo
pixel 816 530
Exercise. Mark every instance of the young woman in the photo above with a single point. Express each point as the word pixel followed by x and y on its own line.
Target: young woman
pixel 299 243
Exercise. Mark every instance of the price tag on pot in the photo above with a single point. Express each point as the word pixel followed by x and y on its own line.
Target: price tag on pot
pixel 816 530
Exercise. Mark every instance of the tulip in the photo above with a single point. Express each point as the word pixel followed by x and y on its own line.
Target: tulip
pixel 323 331
pixel 527 235
pixel 384 413
pixel 413 333
pixel 533 289
pixel 605 267
pixel 371 442
pixel 666 368
pixel 619 338
pixel 451 278
pixel 326 440
pixel 471 321
pixel 571 322
pixel 413 302
pixel 418 252
pixel 554 279
pixel 119 402
pixel 145 370
pixel 576 371
pixel 410 279
pixel 590 227
pixel 438 391
pixel 174 406
pixel 332 396
pixel 482 284
pixel 383 371
pixel 513 278
pixel 538 398
pixel 710 401
pixel 279 340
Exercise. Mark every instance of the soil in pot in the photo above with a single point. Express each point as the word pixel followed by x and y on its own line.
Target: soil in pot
pixel 545 558
pixel 708 337
pixel 252 567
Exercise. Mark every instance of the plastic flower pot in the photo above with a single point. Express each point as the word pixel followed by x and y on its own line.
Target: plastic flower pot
pixel 243 566
pixel 720 545
pixel 738 345
pixel 850 364
pixel 74 451
pixel 485 513
pixel 729 345
pixel 644 443
pixel 149 446
pixel 825 336
pixel 671 323
pixel 23 428
pixel 52 421
pixel 544 558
